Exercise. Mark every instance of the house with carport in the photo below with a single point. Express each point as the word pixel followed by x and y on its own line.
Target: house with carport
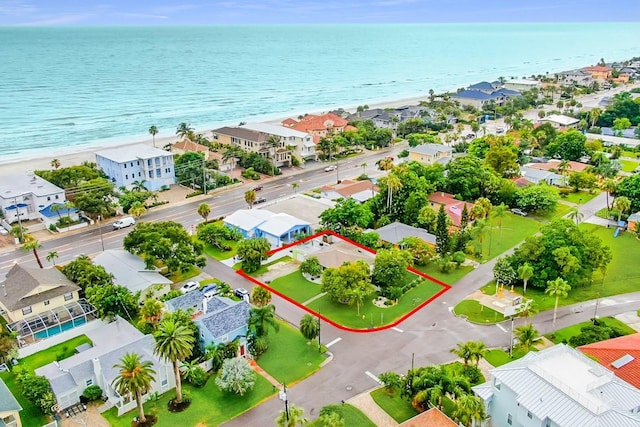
pixel 130 271
pixel 95 365
pixel 278 228
pixel 9 408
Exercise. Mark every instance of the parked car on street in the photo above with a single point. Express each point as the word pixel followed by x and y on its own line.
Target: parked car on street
pixel 330 168
pixel 125 222
pixel 257 188
pixel 259 200
pixel 519 212
pixel 190 287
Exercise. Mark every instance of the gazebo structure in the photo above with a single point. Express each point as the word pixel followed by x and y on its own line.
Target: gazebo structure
pixel 52 322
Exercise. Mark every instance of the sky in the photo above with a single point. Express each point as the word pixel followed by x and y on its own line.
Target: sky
pixel 216 12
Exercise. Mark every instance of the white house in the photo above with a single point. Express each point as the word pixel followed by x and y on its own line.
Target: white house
pixel 124 165
pixel 555 387
pixel 521 85
pixel 536 176
pixel 129 270
pixel 560 121
pixel 303 143
pixel 277 228
pixel 27 196
pixel 96 366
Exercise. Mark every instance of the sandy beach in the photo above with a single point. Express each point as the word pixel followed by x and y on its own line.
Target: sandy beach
pixel 87 154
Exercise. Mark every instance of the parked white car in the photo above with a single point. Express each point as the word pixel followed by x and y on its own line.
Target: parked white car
pixel 125 222
pixel 189 287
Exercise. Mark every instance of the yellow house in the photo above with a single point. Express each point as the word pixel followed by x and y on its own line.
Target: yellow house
pixel 9 408
pixel 28 292
pixel 431 153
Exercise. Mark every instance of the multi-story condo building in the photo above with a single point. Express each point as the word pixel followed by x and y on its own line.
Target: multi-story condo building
pixel 124 165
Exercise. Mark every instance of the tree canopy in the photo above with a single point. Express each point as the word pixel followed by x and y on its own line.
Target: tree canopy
pixel 252 252
pixel 348 282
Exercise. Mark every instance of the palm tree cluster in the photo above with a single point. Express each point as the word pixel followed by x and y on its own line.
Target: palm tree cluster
pixel 261 320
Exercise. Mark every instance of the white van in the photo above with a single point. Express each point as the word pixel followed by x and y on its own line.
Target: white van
pixel 127 221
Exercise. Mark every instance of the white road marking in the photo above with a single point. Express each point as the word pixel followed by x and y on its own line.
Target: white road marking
pixel 501 327
pixel 333 342
pixel 397 329
pixel 376 379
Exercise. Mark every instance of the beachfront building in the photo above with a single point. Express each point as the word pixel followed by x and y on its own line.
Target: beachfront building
pixel 521 85
pixel 575 77
pixel 130 271
pixel 25 197
pixel 95 365
pixel 9 408
pixel 300 144
pixel 220 320
pixel 142 163
pixel 278 228
pixel 429 154
pixel 558 386
pixel 560 121
pixel 599 72
pixel 479 94
pixel 320 126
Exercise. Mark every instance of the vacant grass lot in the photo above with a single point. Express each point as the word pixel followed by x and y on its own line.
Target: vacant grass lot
pixel 351 415
pixel 514 230
pixel 290 357
pixel 220 255
pixel 449 278
pixel 628 165
pixel 477 313
pixel 296 287
pixel 563 335
pixel 209 407
pixel 561 210
pixel 580 197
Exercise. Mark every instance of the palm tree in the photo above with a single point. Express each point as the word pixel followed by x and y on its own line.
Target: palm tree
pixel 525 272
pixel 558 288
pixel 137 209
pixel 609 186
pixel 527 310
pixel 139 185
pixel 291 418
pixel 153 130
pixel 478 231
pixel 594 115
pixel 478 351
pixel 622 204
pixel 464 351
pixel 273 142
pixel 527 337
pixel 295 186
pixel 174 342
pixel 500 212
pixel 204 210
pixel 564 166
pixel 394 183
pixel 250 198
pixel 135 377
pixel 385 164
pixel 469 409
pixel 575 215
pixel 485 205
pixel 309 326
pixel 151 311
pixel 51 257
pixel 184 130
pixel 260 318
pixel 57 207
pixel 260 296
pixel 232 152
pixel 31 244
pixel 55 163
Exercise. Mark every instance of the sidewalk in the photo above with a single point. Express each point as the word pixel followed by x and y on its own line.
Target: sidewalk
pixel 370 408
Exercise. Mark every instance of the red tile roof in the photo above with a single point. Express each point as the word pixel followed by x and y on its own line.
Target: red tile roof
pixel 187 145
pixel 597 68
pixel 314 123
pixel 453 207
pixel 607 352
pixel 433 417
pixel 573 166
pixel 348 188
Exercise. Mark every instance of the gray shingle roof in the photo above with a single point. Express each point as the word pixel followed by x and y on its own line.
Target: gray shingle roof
pixel 7 401
pixel 129 270
pixel 482 86
pixel 190 300
pixel 21 281
pixel 242 133
pixel 225 320
pixel 431 149
pixel 396 231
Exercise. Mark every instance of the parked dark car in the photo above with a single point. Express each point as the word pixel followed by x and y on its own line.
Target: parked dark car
pixel 257 188
pixel 259 200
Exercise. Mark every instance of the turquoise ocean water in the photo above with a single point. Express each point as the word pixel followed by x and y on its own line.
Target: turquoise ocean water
pixel 69 88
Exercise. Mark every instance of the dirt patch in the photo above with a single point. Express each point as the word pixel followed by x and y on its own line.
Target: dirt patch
pixel 91 418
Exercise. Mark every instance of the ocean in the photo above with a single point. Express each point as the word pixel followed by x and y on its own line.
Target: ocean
pixel 65 89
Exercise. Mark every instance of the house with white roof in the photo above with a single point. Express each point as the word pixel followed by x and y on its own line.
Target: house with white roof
pixel 560 121
pixel 130 271
pixel 521 84
pixel 27 196
pixel 558 386
pixel 278 228
pixel 95 365
pixel 536 176
pixel 124 165
pixel 9 408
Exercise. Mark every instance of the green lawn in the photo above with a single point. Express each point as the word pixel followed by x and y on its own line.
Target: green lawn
pixel 31 415
pixel 181 276
pixel 265 267
pixel 370 315
pixel 561 210
pixel 449 278
pixel 489 288
pixel 351 415
pixel 220 255
pixel 289 358
pixel 563 335
pixel 580 197
pixel 209 407
pixel 398 408
pixel 621 276
pixel 514 230
pixel 628 165
pixel 627 153
pixel 500 357
pixel 477 313
pixel 296 287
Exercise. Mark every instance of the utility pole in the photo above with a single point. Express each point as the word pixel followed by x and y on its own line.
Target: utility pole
pixel 511 340
pixel 204 177
pixel 100 228
pixel 15 200
pixel 283 397
pixel 319 326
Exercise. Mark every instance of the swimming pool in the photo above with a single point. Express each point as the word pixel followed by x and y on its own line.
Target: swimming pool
pixel 55 330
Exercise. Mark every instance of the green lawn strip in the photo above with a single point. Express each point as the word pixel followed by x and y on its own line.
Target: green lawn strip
pixel 563 335
pixel 398 408
pixel 449 278
pixel 514 230
pixel 296 287
pixel 352 417
pixel 500 357
pixel 561 210
pixel 210 406
pixel 290 358
pixel 489 288
pixel 477 313
pixel 621 276
pixel 580 197
pixel 181 276
pixel 628 165
pixel 54 353
pixel 627 153
pixel 370 315
pixel 31 415
pixel 219 254
pixel 265 267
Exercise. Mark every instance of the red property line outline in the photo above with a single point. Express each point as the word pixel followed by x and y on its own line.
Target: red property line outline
pixel 444 289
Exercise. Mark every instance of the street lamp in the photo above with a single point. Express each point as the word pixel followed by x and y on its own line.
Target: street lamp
pixel 511 340
pixel 100 229
pixel 283 396
pixel 319 324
